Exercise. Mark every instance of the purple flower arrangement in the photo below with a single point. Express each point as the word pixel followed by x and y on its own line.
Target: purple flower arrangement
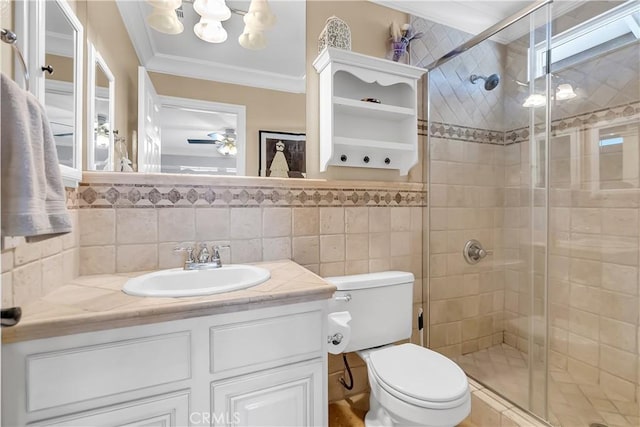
pixel 401 39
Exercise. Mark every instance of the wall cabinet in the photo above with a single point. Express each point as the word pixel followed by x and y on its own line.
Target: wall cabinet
pixel 368 111
pixel 253 368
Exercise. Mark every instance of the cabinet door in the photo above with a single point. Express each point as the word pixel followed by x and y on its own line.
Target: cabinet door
pixel 290 396
pixel 170 410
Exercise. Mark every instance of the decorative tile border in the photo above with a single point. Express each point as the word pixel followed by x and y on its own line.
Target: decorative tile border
pixel 461 133
pixel 104 195
pixel 596 118
pixel 514 136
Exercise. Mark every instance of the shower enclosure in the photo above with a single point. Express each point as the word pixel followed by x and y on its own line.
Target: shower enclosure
pixel 541 167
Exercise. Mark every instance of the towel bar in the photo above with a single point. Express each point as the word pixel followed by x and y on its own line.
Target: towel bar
pixel 10 37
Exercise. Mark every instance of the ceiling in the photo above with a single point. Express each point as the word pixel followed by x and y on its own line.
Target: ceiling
pixel 280 66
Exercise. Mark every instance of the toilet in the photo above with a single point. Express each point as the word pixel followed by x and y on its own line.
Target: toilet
pixel 410 385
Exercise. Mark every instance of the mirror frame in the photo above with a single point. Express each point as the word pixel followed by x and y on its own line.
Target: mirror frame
pixel 31 24
pixel 95 60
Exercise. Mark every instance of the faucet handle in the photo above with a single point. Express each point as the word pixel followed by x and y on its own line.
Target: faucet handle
pixel 203 257
pixel 188 250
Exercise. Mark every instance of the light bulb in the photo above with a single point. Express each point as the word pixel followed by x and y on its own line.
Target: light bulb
pixel 165 21
pixel 215 10
pixel 565 91
pixel 251 39
pixel 535 100
pixel 210 31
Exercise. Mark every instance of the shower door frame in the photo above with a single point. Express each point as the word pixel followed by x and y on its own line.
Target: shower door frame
pixel 474 41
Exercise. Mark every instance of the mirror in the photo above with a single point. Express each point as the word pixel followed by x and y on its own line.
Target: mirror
pixel 219 94
pixel 61 66
pixel 100 113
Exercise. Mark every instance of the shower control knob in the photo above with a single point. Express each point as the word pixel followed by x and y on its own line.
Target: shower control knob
pixel 343 158
pixel 335 339
pixel 366 159
pixel 387 161
pixel 474 252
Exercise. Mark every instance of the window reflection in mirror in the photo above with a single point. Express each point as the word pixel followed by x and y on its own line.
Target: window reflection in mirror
pixel 618 157
pixel 201 137
pixel 59 85
pixel 102 123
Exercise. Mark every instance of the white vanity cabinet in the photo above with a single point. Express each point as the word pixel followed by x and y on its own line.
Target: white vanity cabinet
pixel 263 367
pixel 368 111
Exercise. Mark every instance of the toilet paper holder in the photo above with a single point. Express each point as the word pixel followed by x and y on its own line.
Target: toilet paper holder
pixel 335 339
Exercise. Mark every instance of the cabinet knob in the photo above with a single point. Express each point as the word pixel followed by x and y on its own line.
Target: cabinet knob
pixel 366 159
pixel 48 69
pixel 387 161
pixel 343 158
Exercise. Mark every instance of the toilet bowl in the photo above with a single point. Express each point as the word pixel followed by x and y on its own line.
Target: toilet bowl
pixel 414 386
pixel 410 385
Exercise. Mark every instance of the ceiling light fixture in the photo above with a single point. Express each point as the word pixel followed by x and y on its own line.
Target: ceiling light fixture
pixel 535 100
pixel 214 10
pixel 210 31
pixel 163 18
pixel 212 13
pixel 565 91
pixel 225 142
pixel 258 19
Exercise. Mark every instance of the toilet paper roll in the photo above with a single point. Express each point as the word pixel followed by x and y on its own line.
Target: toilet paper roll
pixel 339 331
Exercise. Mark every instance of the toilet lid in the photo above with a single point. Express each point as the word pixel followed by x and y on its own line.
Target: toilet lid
pixel 419 373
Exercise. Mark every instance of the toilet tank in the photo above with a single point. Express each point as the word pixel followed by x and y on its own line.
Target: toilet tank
pixel 380 305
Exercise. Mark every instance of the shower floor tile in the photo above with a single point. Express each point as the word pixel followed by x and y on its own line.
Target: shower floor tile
pixel 571 404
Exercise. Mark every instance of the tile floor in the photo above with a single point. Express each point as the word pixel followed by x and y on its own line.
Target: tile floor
pixel 571 404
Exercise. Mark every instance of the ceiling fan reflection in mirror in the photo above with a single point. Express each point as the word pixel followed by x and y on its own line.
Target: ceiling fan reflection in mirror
pixel 225 142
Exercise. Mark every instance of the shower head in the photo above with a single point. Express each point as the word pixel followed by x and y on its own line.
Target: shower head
pixel 490 83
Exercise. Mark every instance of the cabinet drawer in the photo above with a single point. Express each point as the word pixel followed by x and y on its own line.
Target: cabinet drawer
pixel 259 344
pixel 165 410
pixel 79 374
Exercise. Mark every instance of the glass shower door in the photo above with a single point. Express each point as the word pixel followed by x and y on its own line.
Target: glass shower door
pixel 594 214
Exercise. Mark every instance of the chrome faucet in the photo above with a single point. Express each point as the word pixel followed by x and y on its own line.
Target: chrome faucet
pixel 204 260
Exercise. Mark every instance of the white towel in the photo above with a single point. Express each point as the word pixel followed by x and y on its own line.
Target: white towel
pixel 33 196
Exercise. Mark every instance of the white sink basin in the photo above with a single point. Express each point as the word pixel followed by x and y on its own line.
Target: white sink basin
pixel 178 282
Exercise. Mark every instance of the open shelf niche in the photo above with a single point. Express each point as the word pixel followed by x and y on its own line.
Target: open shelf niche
pixel 359 133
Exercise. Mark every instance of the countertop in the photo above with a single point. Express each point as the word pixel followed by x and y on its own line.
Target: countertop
pixel 93 303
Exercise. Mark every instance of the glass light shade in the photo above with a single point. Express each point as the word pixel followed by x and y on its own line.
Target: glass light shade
pixel 252 40
pixel 565 91
pixel 215 10
pixel 259 16
pixel 210 31
pixel 165 4
pixel 165 21
pixel 535 100
pixel 228 149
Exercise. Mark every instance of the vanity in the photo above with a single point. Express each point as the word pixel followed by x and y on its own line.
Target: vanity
pixel 89 354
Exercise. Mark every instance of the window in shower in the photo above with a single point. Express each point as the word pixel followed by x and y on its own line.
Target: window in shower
pixel 611 30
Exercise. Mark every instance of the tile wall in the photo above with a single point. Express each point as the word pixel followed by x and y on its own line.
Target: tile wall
pixel 594 209
pixel 331 228
pixel 30 270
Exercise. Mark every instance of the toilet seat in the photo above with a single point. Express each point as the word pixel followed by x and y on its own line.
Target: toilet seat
pixel 438 383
